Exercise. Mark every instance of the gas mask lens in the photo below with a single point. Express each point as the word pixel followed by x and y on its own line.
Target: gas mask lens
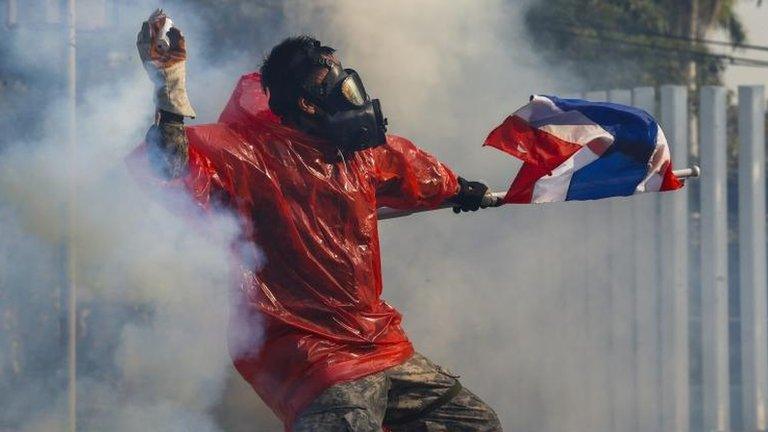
pixel 353 91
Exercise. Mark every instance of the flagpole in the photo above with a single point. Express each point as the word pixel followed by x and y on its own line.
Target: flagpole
pixel 494 199
pixel 72 216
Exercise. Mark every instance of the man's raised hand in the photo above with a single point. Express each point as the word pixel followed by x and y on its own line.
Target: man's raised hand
pixel 150 41
pixel 163 52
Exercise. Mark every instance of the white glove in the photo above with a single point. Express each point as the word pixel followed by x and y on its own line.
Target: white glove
pixel 165 67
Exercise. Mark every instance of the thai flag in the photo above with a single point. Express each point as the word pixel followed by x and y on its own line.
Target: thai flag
pixel 579 150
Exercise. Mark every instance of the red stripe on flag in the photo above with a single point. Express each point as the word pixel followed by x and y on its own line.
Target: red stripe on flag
pixel 521 191
pixel 531 145
pixel 670 181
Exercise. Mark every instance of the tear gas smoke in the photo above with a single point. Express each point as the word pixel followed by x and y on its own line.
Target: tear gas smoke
pixel 496 295
pixel 153 286
pixel 135 256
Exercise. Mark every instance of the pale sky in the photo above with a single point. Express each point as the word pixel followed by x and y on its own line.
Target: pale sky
pixel 756 22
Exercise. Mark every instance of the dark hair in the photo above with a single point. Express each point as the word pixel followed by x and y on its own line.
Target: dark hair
pixel 286 68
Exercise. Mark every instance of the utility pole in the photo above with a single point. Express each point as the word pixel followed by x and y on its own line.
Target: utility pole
pixel 693 34
pixel 692 75
pixel 72 214
pixel 20 14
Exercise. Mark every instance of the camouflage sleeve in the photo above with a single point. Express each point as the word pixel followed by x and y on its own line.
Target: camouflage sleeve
pixel 168 148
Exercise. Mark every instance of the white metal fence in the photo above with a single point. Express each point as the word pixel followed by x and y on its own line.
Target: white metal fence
pixel 688 342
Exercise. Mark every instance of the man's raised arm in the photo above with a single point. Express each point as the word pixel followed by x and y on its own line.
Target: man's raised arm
pixel 163 53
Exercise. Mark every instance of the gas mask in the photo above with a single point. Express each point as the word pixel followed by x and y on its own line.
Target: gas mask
pixel 348 117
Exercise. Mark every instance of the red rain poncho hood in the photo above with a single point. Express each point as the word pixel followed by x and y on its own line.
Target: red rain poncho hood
pixel 312 316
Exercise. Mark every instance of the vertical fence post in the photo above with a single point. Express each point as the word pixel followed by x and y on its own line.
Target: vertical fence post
pixel 621 288
pixel 646 235
pixel 675 391
pixel 752 256
pixel 596 96
pixel 714 259
pixel 597 303
pixel 620 96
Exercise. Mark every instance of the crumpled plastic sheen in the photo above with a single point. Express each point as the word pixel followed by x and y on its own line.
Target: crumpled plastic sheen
pixel 312 315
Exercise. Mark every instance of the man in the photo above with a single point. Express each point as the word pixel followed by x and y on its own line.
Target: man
pixel 309 330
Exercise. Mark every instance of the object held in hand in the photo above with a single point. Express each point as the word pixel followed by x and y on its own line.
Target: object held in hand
pixel 160 42
pixel 160 25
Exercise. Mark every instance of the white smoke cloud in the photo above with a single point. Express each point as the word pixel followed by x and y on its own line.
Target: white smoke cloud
pixel 133 251
pixel 153 286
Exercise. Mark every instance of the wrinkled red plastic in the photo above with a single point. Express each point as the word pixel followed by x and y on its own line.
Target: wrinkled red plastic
pixel 313 216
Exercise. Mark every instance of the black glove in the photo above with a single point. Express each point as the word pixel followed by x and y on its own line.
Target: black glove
pixel 470 195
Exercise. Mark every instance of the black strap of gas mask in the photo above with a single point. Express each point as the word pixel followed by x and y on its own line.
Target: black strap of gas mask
pixel 318 93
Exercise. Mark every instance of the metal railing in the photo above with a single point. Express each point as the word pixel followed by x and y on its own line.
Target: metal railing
pixel 653 283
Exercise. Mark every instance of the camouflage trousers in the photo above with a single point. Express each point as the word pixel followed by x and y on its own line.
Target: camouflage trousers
pixel 417 395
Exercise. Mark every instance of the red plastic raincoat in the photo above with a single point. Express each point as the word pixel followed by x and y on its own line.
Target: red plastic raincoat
pixel 317 297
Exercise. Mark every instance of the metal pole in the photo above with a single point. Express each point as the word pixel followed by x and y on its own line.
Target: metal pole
pixel 646 242
pixel 752 257
pixel 588 359
pixel 693 33
pixel 385 213
pixel 72 216
pixel 675 399
pixel 622 308
pixel 13 13
pixel 714 260
pixel 597 303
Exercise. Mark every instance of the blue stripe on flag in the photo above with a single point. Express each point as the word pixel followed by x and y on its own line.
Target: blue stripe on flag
pixel 613 174
pixel 634 130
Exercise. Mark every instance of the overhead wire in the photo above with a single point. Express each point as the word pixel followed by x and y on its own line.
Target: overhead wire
pixel 661 35
pixel 623 40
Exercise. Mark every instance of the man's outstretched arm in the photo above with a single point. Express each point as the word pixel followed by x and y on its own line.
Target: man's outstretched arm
pixel 410 178
pixel 164 57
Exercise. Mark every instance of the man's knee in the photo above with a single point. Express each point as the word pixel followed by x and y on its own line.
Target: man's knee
pixel 351 420
pixel 477 415
pixel 355 406
pixel 493 422
pixel 464 413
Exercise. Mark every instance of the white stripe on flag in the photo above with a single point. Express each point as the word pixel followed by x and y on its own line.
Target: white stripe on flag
pixel 554 187
pixel 570 126
pixel 538 109
pixel 659 158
